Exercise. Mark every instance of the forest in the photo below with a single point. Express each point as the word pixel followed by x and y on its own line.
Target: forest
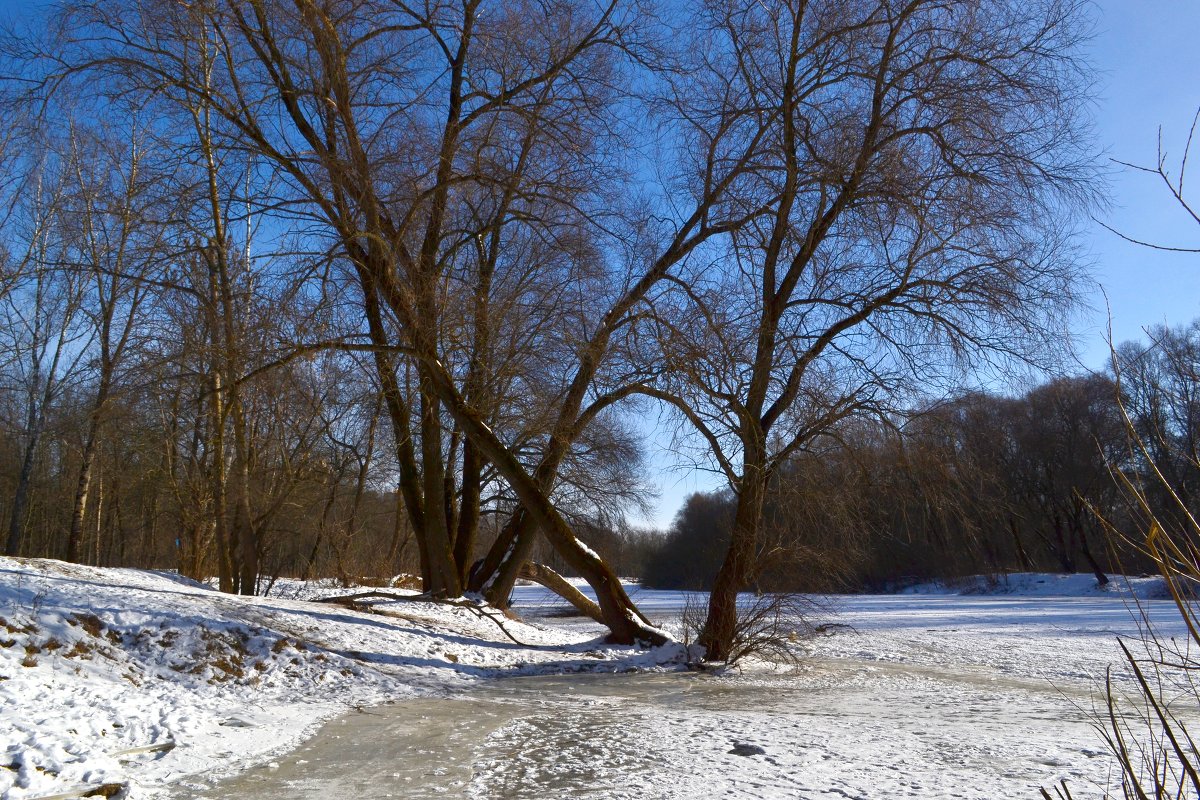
pixel 366 287
pixel 977 484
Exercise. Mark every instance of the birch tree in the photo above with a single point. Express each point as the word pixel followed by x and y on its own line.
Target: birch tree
pixel 43 314
pixel 115 245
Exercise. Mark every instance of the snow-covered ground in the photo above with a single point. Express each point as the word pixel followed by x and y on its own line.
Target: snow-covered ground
pixel 162 685
pixel 1041 584
pixel 116 676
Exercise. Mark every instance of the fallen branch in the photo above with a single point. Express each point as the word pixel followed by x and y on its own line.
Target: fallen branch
pixel 347 599
pixel 355 601
pixel 540 573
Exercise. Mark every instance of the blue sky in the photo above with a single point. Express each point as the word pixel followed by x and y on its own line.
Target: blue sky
pixel 1149 76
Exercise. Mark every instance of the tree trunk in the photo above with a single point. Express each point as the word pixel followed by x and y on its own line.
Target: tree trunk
pixel 498 572
pixel 16 525
pixel 84 481
pixel 216 451
pixel 443 576
pixel 468 512
pixel 449 498
pixel 1065 558
pixel 399 542
pixel 516 544
pixel 625 623
pixel 1085 547
pixel 36 422
pixel 1022 556
pixel 720 627
pixel 322 526
pixel 364 471
pixel 245 534
pixel 409 496
pixel 99 520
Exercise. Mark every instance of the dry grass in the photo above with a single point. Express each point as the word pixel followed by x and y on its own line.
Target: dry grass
pixel 1158 757
pixel 769 628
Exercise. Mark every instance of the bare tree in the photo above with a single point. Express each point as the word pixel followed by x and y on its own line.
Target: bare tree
pixel 43 320
pixel 117 244
pixel 385 176
pixel 912 168
pixel 839 196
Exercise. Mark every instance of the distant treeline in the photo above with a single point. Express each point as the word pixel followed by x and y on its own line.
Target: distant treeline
pixel 982 483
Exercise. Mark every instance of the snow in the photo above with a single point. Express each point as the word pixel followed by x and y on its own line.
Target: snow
pixel 1038 584
pixel 164 685
pixel 933 695
pixel 1041 627
pixel 97 662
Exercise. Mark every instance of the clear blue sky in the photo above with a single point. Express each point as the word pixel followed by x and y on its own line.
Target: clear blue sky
pixel 1149 76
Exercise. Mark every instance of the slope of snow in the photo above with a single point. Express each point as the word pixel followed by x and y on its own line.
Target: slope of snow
pixel 116 676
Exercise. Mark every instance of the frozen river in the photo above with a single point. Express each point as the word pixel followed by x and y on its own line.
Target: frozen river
pixel 929 696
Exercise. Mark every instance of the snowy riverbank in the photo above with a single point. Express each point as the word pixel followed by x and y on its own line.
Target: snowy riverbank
pixel 1043 584
pixel 116 676
pixel 155 683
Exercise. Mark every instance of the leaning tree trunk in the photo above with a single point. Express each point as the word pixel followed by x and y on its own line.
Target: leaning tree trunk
pixel 496 574
pixel 541 574
pixel 626 624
